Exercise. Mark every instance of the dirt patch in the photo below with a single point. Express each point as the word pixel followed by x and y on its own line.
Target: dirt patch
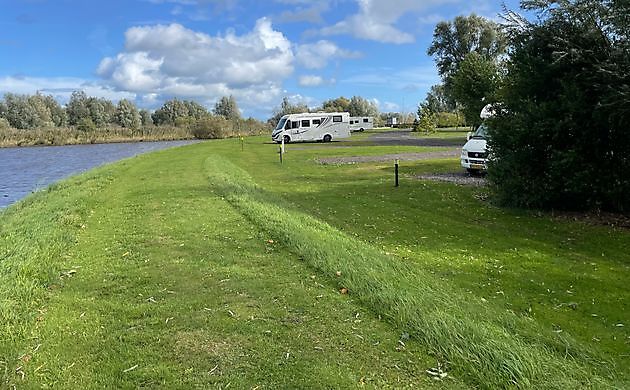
pixel 390 157
pixel 462 178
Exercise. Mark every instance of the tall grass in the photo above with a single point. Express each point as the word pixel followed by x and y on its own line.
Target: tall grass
pixel 493 348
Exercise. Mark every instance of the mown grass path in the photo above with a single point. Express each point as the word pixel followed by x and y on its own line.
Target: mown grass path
pixel 165 271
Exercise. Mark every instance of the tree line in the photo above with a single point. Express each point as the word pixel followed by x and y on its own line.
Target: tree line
pixel 560 90
pixel 89 114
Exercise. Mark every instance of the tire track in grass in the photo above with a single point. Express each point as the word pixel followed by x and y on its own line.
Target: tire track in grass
pixel 495 349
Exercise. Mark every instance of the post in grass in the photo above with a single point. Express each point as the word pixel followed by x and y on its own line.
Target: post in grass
pixel 396 171
pixel 242 143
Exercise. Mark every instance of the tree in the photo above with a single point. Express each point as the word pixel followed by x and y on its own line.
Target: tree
pixel 145 117
pixel 58 114
pixel 361 107
pixel 453 41
pixel 474 85
pixel 427 119
pixel 227 108
pixel 560 138
pixel 170 111
pixel 341 104
pixel 286 107
pixel 26 112
pixel 438 101
pixel 77 107
pixel 127 114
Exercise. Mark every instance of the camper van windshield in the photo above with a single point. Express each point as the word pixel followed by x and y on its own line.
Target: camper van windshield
pixel 281 124
pixel 481 132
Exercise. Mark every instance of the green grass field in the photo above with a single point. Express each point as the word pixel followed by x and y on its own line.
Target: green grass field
pixel 208 266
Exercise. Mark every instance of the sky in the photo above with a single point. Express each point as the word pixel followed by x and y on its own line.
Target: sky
pixel 149 51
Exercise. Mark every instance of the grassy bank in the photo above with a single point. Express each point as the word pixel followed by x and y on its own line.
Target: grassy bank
pixel 208 266
pixel 55 136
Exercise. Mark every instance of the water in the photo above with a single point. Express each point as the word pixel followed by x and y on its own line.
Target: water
pixel 25 170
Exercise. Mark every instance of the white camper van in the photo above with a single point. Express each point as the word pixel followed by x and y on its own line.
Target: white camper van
pixel 360 123
pixel 474 152
pixel 320 126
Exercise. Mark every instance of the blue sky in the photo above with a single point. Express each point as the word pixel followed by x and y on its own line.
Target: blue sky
pixel 259 51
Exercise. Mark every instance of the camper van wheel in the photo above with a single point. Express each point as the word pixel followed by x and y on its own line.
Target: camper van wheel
pixel 327 138
pixel 361 129
pixel 287 139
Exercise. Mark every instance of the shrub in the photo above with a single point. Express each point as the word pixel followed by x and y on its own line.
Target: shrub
pixel 86 125
pixel 211 127
pixel 450 119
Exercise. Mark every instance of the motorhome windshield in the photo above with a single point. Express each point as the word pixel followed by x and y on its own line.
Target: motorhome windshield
pixel 281 124
pixel 481 132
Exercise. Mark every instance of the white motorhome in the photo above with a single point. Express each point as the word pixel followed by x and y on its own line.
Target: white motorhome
pixel 361 123
pixel 474 152
pixel 320 126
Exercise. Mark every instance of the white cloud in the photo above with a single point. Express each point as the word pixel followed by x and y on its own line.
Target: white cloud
pixel 376 20
pixel 408 79
pixel 310 14
pixel 171 60
pixel 317 55
pixel 310 81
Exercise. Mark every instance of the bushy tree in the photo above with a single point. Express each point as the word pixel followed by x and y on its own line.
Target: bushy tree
pixel 58 114
pixel 286 107
pixel 340 104
pixel 427 119
pixel 227 108
pixel 145 118
pixel 560 138
pixel 77 108
pixel 437 100
pixel 362 107
pixel 127 114
pixel 178 113
pixel 453 41
pixel 26 112
pixel 474 85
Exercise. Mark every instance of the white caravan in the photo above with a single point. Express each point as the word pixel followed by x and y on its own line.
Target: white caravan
pixel 320 126
pixel 360 123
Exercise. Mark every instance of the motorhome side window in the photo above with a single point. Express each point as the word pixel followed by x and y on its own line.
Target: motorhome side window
pixel 306 123
pixel 295 124
pixel 366 120
pixel 317 122
pixel 337 118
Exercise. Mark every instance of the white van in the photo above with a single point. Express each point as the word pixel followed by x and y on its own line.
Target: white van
pixel 474 152
pixel 320 126
pixel 361 123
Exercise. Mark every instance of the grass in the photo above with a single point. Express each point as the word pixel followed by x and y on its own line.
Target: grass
pixel 208 266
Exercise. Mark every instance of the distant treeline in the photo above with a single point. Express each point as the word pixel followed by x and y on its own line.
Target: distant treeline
pixel 40 119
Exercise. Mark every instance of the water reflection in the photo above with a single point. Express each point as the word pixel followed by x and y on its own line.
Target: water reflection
pixel 24 170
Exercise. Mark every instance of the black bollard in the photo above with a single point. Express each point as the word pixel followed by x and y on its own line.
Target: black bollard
pixel 396 169
pixel 280 153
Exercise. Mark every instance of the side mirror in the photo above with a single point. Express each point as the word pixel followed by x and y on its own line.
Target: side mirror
pixel 468 136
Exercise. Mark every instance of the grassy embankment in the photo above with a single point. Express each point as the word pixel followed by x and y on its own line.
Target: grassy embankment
pixel 72 136
pixel 207 265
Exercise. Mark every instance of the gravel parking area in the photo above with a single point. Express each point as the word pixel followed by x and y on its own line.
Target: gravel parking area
pixel 390 157
pixel 462 178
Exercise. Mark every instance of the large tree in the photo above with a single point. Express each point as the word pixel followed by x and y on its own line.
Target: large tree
pixel 227 108
pixel 560 138
pixel 127 114
pixel 474 85
pixel 360 106
pixel 454 40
